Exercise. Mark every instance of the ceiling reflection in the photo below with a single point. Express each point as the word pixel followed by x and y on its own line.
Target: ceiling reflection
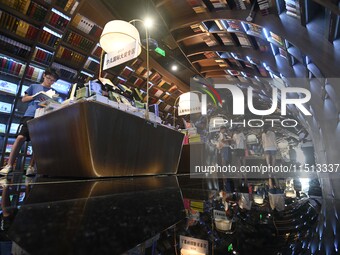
pixel 159 215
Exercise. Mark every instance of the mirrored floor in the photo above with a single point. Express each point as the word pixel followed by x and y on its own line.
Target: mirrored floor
pixel 158 215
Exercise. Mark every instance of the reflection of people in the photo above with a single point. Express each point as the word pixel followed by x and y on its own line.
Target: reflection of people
pixel 223 145
pixel 292 155
pixel 49 77
pixel 8 211
pixel 269 146
pixel 239 147
pixel 307 148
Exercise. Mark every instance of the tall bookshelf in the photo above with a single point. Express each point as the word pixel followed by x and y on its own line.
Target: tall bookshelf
pixel 35 35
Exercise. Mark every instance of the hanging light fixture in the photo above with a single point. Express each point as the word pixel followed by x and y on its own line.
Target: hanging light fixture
pixel 121 39
pixel 118 33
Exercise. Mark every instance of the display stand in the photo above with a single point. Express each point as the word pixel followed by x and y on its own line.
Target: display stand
pixel 90 139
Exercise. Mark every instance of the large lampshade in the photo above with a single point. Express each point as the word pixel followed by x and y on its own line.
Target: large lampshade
pixel 118 33
pixel 189 103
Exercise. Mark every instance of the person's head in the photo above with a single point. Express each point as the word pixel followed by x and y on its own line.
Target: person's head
pixel 50 76
pixel 223 129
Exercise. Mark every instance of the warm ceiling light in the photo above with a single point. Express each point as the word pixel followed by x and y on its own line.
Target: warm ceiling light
pixel 174 67
pixel 118 33
pixel 148 22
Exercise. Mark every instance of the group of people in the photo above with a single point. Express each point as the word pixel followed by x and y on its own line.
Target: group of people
pixel 239 144
pixel 225 142
pixel 50 76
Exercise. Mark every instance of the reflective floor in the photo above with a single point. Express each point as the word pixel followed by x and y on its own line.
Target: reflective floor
pixel 152 215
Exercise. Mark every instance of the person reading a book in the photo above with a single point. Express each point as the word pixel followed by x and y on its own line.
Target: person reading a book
pixel 50 76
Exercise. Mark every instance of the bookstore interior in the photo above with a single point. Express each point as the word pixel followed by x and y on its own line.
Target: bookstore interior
pixel 174 127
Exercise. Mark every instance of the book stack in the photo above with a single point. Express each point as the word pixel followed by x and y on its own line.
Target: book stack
pixel 34 73
pixel 264 6
pixel 220 4
pixel 36 11
pixel 87 26
pixel 210 41
pixel 78 41
pixel 242 4
pixel 49 37
pixel 243 39
pixel 66 72
pixel 198 6
pixel 58 19
pixel 126 72
pixel 254 29
pixel 293 8
pixel 97 51
pixel 277 39
pixel 210 54
pixel 11 66
pixel 199 28
pixel 234 25
pixel 155 78
pixel 69 55
pixel 226 38
pixel 42 56
pixel 14 47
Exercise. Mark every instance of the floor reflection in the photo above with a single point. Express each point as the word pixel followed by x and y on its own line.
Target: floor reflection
pixel 152 215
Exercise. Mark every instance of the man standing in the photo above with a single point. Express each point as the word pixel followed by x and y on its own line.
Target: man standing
pixel 307 147
pixel 239 147
pixel 49 77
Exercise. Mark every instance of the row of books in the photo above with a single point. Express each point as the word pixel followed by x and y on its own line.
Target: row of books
pixel 67 5
pixel 14 47
pixel 36 11
pixel 79 41
pixel 69 55
pixel 293 8
pixel 97 51
pixel 91 65
pixel 264 6
pixel 17 26
pixel 43 56
pixel 11 67
pixel 65 72
pixel 58 20
pixel 49 39
pixel 19 5
pixel 34 73
pixel 87 26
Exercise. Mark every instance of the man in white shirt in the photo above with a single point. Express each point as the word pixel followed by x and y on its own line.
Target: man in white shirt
pixel 239 147
pixel 269 146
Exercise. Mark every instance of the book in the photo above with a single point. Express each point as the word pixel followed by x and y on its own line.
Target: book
pixel 45 95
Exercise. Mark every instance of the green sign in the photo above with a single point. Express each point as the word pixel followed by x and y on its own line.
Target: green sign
pixel 230 247
pixel 160 51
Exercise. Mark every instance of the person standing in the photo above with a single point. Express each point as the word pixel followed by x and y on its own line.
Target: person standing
pixel 307 148
pixel 239 147
pixel 50 76
pixel 223 144
pixel 269 146
pixel 292 155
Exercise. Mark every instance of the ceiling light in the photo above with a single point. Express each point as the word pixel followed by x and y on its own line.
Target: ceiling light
pixel 148 22
pixel 174 67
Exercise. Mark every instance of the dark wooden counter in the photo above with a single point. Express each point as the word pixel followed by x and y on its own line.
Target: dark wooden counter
pixel 90 139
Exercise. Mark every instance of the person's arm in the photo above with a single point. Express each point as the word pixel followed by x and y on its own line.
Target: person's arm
pixel 26 98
